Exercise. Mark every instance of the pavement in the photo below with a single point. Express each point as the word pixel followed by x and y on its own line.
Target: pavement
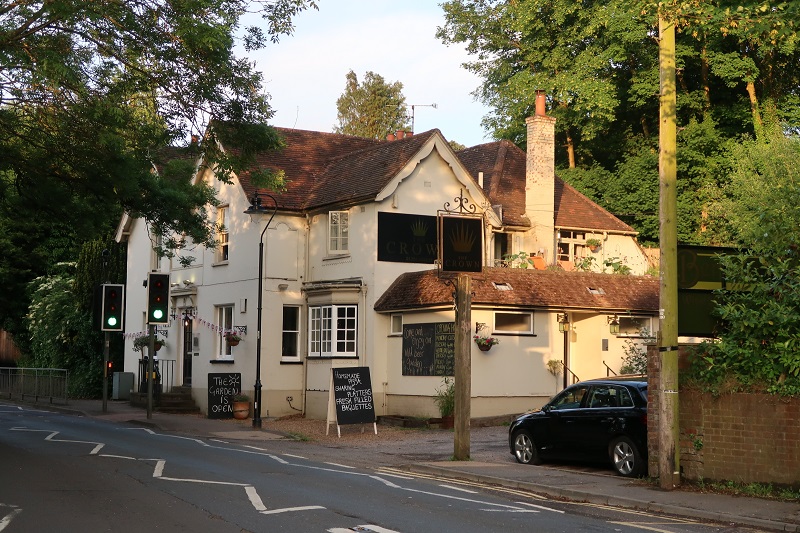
pixel 430 452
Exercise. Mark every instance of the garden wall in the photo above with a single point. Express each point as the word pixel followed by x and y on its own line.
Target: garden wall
pixel 734 437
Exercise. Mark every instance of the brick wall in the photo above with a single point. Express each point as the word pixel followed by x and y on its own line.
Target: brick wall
pixel 737 437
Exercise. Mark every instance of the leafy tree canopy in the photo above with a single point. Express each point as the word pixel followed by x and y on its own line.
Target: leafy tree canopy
pixel 373 108
pixel 598 62
pixel 91 94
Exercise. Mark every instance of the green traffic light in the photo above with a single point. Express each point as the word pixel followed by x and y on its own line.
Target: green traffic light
pixel 158 314
pixel 112 321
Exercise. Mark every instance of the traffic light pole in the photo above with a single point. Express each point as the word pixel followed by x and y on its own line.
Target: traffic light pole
pixel 151 351
pixel 105 371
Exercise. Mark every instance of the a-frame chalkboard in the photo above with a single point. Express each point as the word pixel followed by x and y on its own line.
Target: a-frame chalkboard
pixel 350 399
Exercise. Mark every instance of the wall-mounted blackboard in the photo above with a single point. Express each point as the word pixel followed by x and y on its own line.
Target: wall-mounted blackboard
pixel 352 394
pixel 429 349
pixel 221 390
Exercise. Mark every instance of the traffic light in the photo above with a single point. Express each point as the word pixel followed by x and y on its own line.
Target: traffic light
pixel 109 367
pixel 113 308
pixel 158 298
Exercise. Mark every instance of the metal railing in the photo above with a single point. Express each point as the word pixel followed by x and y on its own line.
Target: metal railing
pixel 608 370
pixel 571 373
pixel 164 370
pixel 34 384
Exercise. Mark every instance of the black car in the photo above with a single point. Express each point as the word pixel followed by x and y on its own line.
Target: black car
pixel 603 419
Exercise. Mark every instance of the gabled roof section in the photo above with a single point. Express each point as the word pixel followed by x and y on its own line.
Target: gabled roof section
pixel 503 167
pixel 303 159
pixel 525 288
pixel 359 176
pixel 576 211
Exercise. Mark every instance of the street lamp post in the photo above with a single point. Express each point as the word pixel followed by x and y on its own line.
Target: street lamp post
pixel 257 208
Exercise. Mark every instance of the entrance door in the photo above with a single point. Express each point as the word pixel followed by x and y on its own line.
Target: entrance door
pixel 187 351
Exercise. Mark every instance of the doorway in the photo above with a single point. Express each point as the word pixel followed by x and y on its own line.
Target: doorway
pixel 187 349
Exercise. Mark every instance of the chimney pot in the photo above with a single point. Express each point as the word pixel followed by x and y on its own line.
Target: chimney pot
pixel 400 134
pixel 540 103
pixel 390 137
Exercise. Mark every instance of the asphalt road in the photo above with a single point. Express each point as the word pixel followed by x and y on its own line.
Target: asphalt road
pixel 65 473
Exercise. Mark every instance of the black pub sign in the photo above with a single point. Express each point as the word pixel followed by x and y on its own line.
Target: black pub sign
pixel 461 239
pixel 406 238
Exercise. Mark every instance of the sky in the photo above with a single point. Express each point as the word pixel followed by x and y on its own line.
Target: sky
pixel 305 72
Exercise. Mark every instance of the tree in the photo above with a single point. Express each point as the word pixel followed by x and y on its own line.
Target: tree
pixel 91 96
pixel 372 109
pixel 760 341
pixel 597 60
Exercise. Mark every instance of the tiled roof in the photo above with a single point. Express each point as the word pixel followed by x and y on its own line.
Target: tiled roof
pixel 503 167
pixel 327 168
pixel 541 289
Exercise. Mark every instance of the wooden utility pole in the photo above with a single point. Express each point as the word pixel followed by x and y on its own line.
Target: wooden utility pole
pixel 668 421
pixel 463 368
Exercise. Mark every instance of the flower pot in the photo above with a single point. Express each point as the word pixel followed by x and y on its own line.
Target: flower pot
pixel 157 346
pixel 447 422
pixel 241 410
pixel 594 248
pixel 485 347
pixel 233 343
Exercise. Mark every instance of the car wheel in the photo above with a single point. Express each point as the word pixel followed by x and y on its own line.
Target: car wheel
pixel 625 457
pixel 525 449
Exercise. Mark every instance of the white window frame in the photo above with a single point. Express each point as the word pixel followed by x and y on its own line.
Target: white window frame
pixel 338 232
pixel 290 333
pixel 224 324
pixel 575 242
pixel 155 259
pixel 221 252
pixel 498 328
pixel 333 331
pixel 396 324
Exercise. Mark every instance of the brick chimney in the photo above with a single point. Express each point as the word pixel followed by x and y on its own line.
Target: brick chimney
pixel 540 176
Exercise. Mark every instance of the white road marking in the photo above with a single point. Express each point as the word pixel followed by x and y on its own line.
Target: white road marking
pixel 340 465
pixel 459 488
pixel 51 438
pixel 292 509
pixel 6 520
pixel 641 526
pixel 543 508
pixel 255 499
pixel 374 529
pixel 295 456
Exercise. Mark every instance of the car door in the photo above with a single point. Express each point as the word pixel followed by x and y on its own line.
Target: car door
pixel 564 420
pixel 608 406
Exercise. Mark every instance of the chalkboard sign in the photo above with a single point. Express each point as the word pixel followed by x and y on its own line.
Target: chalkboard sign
pixel 352 394
pixel 221 390
pixel 429 349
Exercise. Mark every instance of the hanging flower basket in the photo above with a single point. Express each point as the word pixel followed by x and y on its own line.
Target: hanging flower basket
pixel 142 343
pixel 232 339
pixel 485 343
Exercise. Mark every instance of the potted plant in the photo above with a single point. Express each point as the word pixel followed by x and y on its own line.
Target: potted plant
pixel 554 367
pixel 142 342
pixel 241 406
pixel 232 338
pixel 445 400
pixel 485 343
pixel 593 244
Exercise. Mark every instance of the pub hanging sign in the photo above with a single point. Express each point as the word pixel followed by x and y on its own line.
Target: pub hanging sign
pixel 461 243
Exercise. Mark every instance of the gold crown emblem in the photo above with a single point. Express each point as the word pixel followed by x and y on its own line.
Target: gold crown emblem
pixel 462 238
pixel 419 228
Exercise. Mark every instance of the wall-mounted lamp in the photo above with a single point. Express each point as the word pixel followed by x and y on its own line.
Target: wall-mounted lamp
pixel 613 325
pixel 563 322
pixel 479 326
